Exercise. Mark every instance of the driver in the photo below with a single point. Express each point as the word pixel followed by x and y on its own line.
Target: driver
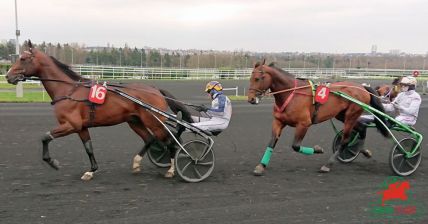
pixel 219 113
pixel 406 103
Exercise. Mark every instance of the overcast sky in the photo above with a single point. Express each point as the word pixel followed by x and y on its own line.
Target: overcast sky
pixel 330 26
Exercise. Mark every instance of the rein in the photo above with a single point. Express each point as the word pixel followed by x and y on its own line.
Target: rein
pixel 306 86
pixel 68 97
pixel 86 84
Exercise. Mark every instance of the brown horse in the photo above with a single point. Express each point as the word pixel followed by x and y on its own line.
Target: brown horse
pixel 294 107
pixel 75 114
pixel 388 92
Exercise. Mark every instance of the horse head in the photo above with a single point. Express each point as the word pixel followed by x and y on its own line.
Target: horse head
pixel 389 92
pixel 26 66
pixel 383 90
pixel 260 82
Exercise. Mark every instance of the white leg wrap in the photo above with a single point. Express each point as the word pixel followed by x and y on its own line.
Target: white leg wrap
pixel 136 165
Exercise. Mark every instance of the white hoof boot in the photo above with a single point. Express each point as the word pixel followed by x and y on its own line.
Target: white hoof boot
pixel 169 174
pixel 136 165
pixel 324 169
pixel 87 176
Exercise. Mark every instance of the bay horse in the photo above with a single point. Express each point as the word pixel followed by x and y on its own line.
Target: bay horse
pixel 294 107
pixel 388 92
pixel 75 114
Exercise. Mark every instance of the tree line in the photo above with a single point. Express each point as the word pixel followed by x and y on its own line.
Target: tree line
pixel 144 57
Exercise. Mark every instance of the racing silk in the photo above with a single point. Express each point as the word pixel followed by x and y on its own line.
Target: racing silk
pixel 220 113
pixel 408 107
pixel 220 107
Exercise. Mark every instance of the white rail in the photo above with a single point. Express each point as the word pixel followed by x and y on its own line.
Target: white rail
pixel 106 72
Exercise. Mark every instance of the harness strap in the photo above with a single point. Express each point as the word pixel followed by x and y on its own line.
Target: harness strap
pixel 92 107
pixel 316 104
pixel 53 102
pixel 287 101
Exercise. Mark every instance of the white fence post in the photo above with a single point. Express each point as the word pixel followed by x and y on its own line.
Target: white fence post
pixel 235 88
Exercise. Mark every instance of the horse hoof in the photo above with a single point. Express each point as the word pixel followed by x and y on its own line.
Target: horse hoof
pixel 318 149
pixel 169 175
pixel 136 170
pixel 367 153
pixel 54 164
pixel 324 169
pixel 87 176
pixel 259 170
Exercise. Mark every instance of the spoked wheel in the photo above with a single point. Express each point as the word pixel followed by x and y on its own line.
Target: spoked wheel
pixel 197 164
pixel 400 164
pixel 159 154
pixel 350 152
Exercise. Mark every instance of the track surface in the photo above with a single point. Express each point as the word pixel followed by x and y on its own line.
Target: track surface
pixel 292 191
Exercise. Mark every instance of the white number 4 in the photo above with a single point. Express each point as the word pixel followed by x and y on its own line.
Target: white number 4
pixel 322 92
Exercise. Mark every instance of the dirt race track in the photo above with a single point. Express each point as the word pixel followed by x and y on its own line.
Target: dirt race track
pixel 292 191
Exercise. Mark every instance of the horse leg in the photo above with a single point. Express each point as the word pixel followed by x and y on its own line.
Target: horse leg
pixel 298 137
pixel 172 149
pixel 148 139
pixel 87 143
pixel 277 127
pixel 63 130
pixel 349 124
pixel 362 131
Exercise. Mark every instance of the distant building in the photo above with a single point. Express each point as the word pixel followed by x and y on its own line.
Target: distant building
pixel 374 49
pixel 395 52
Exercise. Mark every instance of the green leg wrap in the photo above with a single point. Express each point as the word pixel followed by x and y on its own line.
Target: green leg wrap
pixel 306 150
pixel 266 156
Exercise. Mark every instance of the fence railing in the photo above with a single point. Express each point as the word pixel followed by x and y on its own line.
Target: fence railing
pixel 105 72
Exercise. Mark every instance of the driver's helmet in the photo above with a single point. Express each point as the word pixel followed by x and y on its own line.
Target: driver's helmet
pixel 213 85
pixel 408 81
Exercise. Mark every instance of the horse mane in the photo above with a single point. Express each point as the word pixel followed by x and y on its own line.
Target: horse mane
pixel 396 81
pixel 272 65
pixel 67 70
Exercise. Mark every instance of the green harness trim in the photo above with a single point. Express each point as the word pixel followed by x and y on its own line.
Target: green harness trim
pixel 313 88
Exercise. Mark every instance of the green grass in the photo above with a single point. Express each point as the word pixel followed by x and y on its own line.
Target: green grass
pixel 29 97
pixel 26 86
pixel 238 98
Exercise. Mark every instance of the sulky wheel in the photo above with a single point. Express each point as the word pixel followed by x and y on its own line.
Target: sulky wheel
pixel 399 163
pixel 159 154
pixel 350 152
pixel 197 164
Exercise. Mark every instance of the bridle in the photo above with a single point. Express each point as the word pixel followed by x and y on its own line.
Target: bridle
pixel 258 92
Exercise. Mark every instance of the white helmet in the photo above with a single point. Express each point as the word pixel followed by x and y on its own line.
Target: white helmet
pixel 408 80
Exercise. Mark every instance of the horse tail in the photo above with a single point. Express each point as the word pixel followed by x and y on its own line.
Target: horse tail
pixel 176 106
pixel 375 103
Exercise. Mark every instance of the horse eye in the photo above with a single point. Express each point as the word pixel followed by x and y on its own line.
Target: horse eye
pixel 257 79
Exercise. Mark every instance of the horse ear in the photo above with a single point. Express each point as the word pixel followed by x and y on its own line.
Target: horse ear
pixel 257 65
pixel 30 45
pixel 264 61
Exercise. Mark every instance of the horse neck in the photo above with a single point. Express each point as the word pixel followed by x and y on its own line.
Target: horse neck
pixel 50 71
pixel 281 82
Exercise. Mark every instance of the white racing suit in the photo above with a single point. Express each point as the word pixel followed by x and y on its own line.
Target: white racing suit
pixel 407 104
pixel 219 115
